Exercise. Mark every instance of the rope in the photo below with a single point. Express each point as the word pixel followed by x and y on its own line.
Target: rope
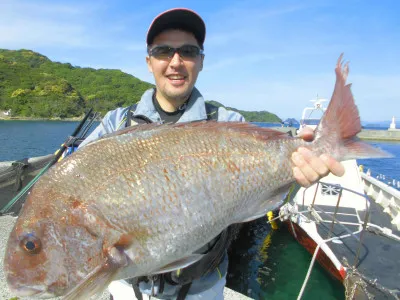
pixel 315 256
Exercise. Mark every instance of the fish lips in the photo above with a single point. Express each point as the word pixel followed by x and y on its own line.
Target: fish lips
pixel 22 290
pixel 29 291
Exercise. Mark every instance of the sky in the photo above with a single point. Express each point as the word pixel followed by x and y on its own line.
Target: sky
pixel 259 55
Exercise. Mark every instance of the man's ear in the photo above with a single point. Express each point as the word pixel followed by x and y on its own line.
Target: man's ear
pixel 149 66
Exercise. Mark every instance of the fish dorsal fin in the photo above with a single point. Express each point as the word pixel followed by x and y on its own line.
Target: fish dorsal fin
pixel 131 129
pixel 211 126
pixel 97 280
pixel 179 264
pixel 241 128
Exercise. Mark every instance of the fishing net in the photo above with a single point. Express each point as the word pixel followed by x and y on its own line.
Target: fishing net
pixel 360 287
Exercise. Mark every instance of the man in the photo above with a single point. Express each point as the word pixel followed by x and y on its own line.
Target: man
pixel 175 57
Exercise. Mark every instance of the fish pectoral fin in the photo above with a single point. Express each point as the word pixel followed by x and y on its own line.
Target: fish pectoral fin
pixel 255 217
pixel 97 280
pixel 270 204
pixel 180 264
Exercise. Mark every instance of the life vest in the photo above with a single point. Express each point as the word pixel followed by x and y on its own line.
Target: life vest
pixel 133 119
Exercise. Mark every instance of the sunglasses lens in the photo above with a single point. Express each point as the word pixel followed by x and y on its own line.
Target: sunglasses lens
pixel 162 52
pixel 189 51
pixel 166 52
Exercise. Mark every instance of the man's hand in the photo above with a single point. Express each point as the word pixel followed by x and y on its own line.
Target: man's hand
pixel 309 168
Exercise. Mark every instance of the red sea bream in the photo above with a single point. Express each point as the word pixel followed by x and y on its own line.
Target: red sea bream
pixel 143 199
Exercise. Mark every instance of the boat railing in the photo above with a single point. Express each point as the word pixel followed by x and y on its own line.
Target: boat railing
pixel 309 213
pixel 388 180
pixel 384 195
pixel 363 225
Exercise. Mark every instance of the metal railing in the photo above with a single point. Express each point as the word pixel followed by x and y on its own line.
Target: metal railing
pixel 314 210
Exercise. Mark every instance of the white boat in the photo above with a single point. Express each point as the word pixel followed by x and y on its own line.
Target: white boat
pixel 312 115
pixel 351 226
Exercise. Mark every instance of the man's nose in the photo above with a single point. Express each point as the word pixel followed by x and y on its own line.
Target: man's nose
pixel 176 59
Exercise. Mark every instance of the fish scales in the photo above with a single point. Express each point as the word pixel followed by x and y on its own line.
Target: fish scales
pixel 175 172
pixel 146 197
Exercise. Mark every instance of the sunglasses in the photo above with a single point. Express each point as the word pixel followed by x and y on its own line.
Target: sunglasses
pixel 167 52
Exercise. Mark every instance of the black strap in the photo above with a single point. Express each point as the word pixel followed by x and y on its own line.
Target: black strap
pixel 183 291
pixel 20 166
pixel 208 263
pixel 138 119
pixel 212 112
pixel 135 285
pixel 129 114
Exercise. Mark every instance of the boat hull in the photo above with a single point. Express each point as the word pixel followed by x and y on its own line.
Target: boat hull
pixel 310 245
pixel 359 244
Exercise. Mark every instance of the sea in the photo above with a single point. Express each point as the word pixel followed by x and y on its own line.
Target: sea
pixel 264 263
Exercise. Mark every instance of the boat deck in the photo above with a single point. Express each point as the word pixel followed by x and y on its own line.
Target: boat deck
pixel 377 257
pixel 372 252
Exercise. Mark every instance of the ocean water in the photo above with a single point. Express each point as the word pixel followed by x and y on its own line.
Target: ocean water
pixel 386 169
pixel 24 139
pixel 264 264
pixel 20 139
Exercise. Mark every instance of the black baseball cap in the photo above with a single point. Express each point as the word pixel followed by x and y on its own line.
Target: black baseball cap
pixel 178 18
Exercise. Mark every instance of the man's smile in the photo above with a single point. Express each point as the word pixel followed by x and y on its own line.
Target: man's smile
pixel 176 79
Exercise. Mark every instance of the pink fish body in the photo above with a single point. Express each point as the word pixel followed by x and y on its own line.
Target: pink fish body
pixel 143 199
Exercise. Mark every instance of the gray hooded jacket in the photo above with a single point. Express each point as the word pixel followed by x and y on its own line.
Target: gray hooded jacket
pixel 194 111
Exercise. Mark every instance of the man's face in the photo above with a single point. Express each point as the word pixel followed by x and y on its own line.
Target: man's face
pixel 175 77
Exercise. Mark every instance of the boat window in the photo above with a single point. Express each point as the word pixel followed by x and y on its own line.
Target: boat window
pixel 310 121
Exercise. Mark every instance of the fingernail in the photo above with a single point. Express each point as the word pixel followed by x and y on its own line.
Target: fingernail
pixel 324 157
pixel 303 150
pixel 295 171
pixel 296 158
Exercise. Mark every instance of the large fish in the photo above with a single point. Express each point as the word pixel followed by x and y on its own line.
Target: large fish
pixel 143 199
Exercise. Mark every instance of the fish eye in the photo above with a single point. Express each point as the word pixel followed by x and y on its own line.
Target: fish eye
pixel 31 244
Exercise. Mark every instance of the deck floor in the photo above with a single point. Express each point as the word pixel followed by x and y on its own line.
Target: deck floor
pixel 379 256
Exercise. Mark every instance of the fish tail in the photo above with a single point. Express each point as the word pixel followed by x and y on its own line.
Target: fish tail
pixel 341 122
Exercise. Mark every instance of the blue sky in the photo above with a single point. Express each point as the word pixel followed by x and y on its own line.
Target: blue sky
pixel 260 55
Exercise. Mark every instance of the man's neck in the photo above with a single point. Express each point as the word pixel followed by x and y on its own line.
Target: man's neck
pixel 170 105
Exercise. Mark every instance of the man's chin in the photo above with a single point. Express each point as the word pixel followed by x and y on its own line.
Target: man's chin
pixel 178 98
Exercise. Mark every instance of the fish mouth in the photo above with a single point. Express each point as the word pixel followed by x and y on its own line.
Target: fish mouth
pixel 27 291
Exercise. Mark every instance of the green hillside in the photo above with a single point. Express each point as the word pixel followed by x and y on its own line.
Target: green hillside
pixel 31 85
pixel 253 116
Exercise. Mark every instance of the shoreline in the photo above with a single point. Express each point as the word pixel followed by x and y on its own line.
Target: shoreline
pixel 75 119
pixel 365 134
